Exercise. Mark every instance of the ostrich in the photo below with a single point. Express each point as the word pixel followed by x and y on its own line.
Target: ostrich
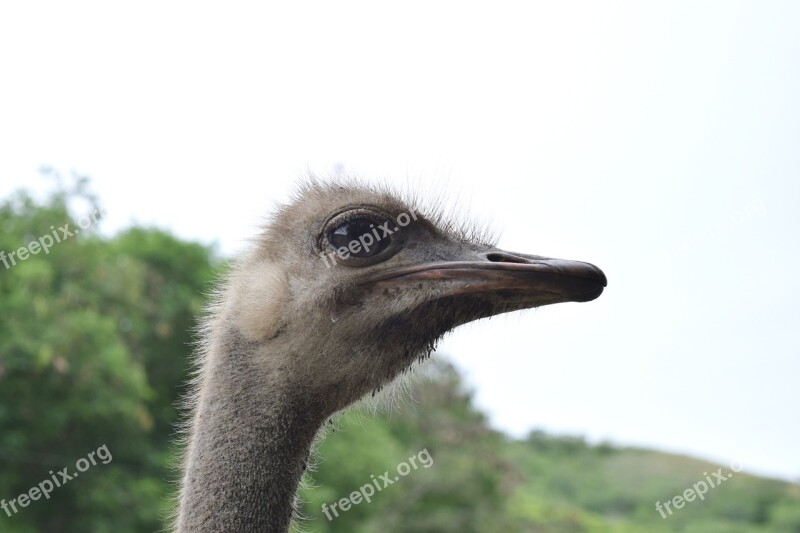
pixel 345 288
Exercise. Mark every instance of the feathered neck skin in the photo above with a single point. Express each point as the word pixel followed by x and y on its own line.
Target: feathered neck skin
pixel 250 442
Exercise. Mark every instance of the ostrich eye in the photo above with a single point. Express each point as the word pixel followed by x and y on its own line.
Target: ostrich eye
pixel 360 234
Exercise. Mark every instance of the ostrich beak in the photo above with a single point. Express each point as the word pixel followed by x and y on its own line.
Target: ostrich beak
pixel 524 280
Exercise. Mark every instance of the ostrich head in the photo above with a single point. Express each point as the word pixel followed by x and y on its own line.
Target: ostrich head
pixel 355 284
pixel 344 289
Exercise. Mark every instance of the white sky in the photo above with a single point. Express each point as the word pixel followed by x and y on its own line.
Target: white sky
pixel 659 141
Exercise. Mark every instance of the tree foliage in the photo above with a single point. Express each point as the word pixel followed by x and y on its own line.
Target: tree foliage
pixel 94 339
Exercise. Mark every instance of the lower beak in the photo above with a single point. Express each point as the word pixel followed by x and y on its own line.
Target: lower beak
pixel 527 280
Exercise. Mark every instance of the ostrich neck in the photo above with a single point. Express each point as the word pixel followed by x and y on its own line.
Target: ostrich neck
pixel 249 443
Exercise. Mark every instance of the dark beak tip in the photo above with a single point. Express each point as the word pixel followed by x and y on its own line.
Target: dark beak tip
pixel 579 269
pixel 600 275
pixel 599 278
pixel 582 281
pixel 588 297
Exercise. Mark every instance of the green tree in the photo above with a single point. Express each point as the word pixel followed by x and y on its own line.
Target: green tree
pixel 94 339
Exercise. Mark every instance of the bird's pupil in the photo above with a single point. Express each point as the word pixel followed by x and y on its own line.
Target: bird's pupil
pixel 359 235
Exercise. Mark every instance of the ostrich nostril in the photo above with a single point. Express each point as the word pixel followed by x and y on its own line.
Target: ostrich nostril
pixel 496 257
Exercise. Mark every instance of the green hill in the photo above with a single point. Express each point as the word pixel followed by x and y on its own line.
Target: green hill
pixel 480 480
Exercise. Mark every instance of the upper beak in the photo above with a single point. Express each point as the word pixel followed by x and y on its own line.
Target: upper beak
pixel 526 280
